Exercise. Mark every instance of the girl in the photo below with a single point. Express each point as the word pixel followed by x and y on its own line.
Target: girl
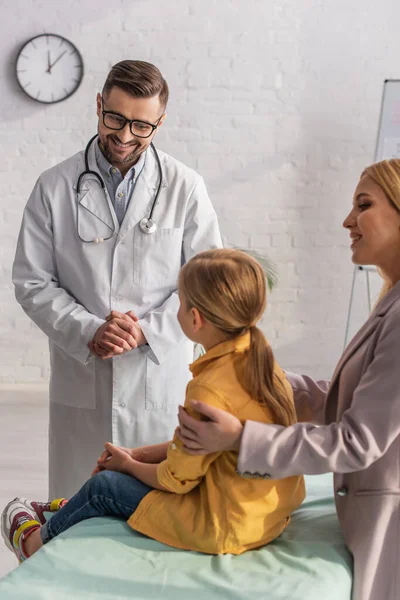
pixel 358 437
pixel 193 502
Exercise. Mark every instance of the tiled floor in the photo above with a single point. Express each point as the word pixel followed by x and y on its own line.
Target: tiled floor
pixel 23 464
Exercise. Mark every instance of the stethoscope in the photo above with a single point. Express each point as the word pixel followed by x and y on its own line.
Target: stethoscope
pixel 146 225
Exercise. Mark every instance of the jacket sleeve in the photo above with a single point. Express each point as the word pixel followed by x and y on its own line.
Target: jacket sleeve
pixel 309 397
pixel 361 437
pixel 37 289
pixel 201 232
pixel 182 472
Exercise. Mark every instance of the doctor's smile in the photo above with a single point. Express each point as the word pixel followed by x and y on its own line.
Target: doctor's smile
pixel 121 145
pixel 116 151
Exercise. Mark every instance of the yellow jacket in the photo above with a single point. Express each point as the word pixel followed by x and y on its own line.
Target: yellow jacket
pixel 212 508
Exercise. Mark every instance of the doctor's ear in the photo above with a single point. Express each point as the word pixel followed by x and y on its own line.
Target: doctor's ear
pixel 161 121
pixel 98 104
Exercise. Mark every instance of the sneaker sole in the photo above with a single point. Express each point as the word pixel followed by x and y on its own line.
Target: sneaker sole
pixel 4 527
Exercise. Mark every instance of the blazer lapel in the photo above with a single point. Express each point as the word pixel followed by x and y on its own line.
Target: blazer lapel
pixel 367 329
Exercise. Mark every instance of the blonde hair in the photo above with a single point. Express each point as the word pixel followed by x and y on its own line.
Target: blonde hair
pixel 228 288
pixel 386 174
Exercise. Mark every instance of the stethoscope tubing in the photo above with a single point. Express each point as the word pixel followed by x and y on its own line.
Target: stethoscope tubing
pixel 147 224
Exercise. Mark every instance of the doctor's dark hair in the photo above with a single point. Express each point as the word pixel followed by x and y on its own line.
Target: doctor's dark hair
pixel 386 174
pixel 228 287
pixel 139 79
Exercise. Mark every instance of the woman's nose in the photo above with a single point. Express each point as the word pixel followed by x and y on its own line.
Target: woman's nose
pixel 350 220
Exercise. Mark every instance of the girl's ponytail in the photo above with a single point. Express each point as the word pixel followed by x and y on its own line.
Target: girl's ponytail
pixel 261 383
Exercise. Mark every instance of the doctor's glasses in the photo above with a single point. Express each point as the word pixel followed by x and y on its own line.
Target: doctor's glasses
pixel 115 121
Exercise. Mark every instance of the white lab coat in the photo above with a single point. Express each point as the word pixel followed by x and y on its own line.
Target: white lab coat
pixel 67 287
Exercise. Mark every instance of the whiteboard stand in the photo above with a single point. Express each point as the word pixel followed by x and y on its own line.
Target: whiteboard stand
pixel 358 269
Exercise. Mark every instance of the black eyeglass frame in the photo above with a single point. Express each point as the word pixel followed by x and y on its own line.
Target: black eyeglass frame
pixel 111 112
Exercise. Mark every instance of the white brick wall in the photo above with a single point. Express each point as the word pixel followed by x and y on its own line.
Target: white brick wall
pixel 275 102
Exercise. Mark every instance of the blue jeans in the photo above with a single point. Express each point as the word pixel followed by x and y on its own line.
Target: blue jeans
pixel 107 493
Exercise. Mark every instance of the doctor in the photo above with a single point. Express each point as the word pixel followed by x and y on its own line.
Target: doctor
pixel 108 230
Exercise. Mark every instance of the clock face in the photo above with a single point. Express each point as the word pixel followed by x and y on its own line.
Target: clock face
pixel 49 68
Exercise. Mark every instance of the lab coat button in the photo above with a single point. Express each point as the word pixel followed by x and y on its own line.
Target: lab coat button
pixel 122 405
pixel 343 491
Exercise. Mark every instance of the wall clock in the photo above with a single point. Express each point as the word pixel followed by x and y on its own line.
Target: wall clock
pixel 49 68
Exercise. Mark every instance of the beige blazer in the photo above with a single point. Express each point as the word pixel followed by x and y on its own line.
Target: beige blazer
pixel 358 440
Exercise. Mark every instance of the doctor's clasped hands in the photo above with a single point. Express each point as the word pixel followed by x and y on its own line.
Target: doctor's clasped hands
pixel 118 335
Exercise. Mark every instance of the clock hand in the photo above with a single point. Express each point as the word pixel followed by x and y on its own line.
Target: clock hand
pixel 57 59
pixel 48 62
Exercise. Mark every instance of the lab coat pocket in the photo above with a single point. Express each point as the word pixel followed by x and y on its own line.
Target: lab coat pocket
pixel 71 382
pixel 157 256
pixel 166 383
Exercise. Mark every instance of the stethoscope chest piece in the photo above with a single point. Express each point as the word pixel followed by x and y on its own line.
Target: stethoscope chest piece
pixel 147 225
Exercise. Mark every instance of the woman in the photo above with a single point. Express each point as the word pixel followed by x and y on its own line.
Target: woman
pixel 358 437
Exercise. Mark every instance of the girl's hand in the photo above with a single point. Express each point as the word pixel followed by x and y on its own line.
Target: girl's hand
pixel 114 458
pixel 144 454
pixel 221 432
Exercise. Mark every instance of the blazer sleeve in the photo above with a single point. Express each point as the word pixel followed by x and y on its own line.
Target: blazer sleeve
pixel 181 472
pixel 363 435
pixel 309 397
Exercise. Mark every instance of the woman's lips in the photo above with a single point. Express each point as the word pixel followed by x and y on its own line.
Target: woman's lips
pixel 355 239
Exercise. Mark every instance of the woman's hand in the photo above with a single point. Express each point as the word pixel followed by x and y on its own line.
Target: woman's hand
pixel 222 431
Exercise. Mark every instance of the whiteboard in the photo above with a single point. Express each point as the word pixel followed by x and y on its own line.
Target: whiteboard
pixel 388 140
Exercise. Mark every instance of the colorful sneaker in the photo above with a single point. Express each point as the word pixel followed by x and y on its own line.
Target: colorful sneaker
pixel 39 508
pixel 17 523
